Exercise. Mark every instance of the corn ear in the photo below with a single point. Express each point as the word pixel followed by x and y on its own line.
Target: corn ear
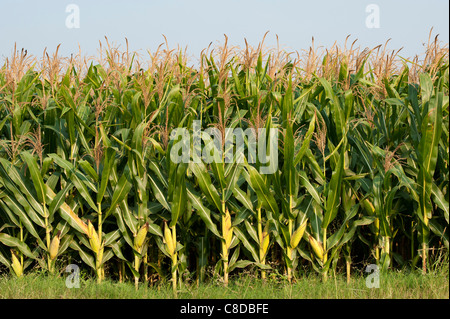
pixel 168 238
pixel 265 239
pixel 16 265
pixel 227 229
pixel 140 237
pixel 368 206
pixel 298 234
pixel 229 237
pixel 54 246
pixel 316 246
pixel 370 209
pixel 93 238
pixel 100 256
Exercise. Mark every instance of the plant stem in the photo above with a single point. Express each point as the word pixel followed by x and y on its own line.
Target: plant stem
pixel 100 231
pixel 289 250
pixel 174 261
pixel 325 257
pixel 262 258
pixel 424 244
pixel 224 251
pixel 99 222
pixel 21 240
pixel 145 259
pixel 47 238
pixel 136 268
pixel 347 262
pixel 289 253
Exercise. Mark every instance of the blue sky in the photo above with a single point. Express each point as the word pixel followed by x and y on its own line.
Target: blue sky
pixel 35 25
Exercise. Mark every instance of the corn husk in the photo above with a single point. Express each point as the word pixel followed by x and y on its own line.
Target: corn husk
pixel 227 229
pixel 54 246
pixel 297 235
pixel 316 246
pixel 140 237
pixel 93 238
pixel 16 265
pixel 168 238
pixel 265 239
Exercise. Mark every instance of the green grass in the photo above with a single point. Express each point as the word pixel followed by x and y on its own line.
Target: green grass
pixel 393 285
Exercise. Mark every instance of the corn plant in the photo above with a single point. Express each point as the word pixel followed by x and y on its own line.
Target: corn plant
pixel 90 169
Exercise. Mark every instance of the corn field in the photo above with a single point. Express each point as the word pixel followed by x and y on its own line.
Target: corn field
pixel 86 176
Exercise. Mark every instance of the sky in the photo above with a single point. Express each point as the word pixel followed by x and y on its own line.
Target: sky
pixel 39 24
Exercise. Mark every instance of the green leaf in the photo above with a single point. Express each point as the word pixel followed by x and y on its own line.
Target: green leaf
pixel 17 209
pixel 112 237
pixel 68 215
pixel 58 200
pixel 251 231
pixel 204 213
pixel 86 257
pixel 16 243
pixel 440 201
pixel 240 264
pixel 120 192
pixel 76 177
pixel 204 181
pixel 4 260
pixel 289 172
pixel 107 255
pixel 155 229
pixel 108 163
pixel 88 169
pixel 306 141
pixel 428 153
pixel 259 186
pixel 243 198
pixel 18 185
pixel 231 180
pixel 311 189
pixel 179 196
pixel 116 249
pixel 35 175
pixel 158 191
pixel 246 243
pixel 334 190
pixel 335 108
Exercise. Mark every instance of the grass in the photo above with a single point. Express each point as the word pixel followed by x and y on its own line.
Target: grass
pixel 393 285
